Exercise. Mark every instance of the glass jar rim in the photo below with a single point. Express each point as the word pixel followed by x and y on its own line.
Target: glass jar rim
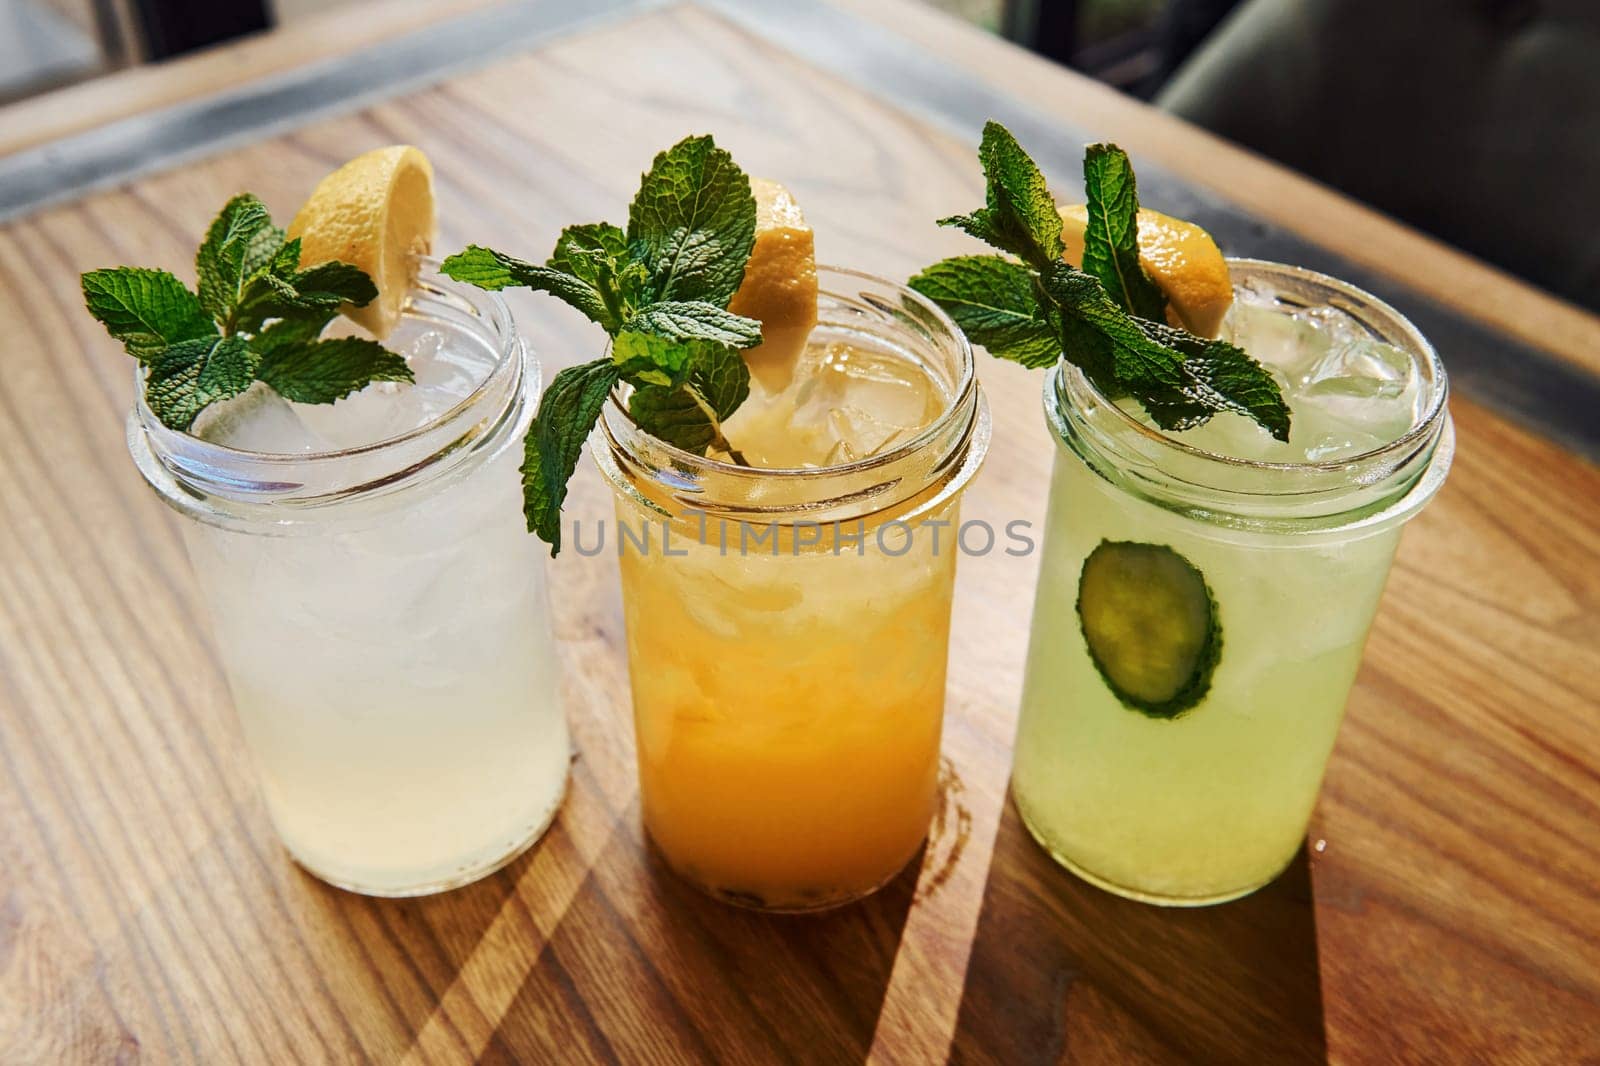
pixel 186 469
pixel 1417 345
pixel 954 441
pixel 500 320
pixel 965 385
pixel 1366 490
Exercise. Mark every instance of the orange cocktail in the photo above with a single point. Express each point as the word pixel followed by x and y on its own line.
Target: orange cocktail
pixel 788 625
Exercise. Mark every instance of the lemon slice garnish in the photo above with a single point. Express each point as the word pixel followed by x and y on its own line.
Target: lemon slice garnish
pixel 376 212
pixel 1180 257
pixel 780 285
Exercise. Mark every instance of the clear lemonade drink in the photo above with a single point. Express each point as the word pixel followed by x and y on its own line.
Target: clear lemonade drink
pixel 788 638
pixel 1293 541
pixel 351 512
pixel 380 612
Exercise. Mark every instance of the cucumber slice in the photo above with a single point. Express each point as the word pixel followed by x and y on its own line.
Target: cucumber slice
pixel 1151 626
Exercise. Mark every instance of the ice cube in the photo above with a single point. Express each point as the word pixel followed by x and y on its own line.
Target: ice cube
pixel 1364 386
pixel 1363 368
pixel 259 420
pixel 1231 434
pixel 844 402
pixel 447 368
pixel 862 403
pixel 378 412
pixel 1286 342
pixel 448 365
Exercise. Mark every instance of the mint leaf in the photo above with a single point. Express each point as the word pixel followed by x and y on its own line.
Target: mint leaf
pixel 992 299
pixel 598 254
pixel 586 250
pixel 649 358
pixel 1111 240
pixel 586 244
pixel 291 331
pixel 325 371
pixel 1178 380
pixel 147 310
pixel 202 349
pixel 567 414
pixel 661 289
pixel 268 244
pixel 720 379
pixel 297 294
pixel 1020 216
pixel 1242 384
pixel 489 269
pixel 1139 363
pixel 1107 318
pixel 192 374
pixel 691 417
pixel 333 283
pixel 686 320
pixel 693 223
pixel 237 236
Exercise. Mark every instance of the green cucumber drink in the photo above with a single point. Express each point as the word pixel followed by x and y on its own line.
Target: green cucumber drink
pixel 1205 594
pixel 1223 513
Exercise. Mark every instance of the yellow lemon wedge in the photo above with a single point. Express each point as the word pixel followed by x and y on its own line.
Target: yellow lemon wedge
pixel 1180 257
pixel 780 285
pixel 375 212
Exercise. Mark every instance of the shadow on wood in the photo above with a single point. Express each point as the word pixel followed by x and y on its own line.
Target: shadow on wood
pixel 1062 971
pixel 644 966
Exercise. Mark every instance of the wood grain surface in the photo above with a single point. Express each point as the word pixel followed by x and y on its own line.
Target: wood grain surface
pixel 1445 911
pixel 328 34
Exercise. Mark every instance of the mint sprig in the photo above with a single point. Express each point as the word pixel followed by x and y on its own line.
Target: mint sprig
pixel 1019 215
pixel 994 300
pixel 1107 318
pixel 661 289
pixel 1111 241
pixel 256 317
pixel 567 413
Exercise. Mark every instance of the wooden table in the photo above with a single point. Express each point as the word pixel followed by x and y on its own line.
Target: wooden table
pixel 1446 908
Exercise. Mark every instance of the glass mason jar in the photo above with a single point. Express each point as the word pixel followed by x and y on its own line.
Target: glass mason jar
pixel 1213 803
pixel 382 618
pixel 788 630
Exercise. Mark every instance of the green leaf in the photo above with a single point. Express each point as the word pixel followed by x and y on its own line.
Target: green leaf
pixel 301 294
pixel 686 320
pixel 691 417
pixel 1178 378
pixel 1242 383
pixel 291 331
pixel 1139 362
pixel 1106 319
pixel 598 253
pixel 647 358
pixel 334 283
pixel 190 375
pixel 567 414
pixel 1111 240
pixel 584 250
pixel 1020 216
pixel 325 371
pixel 719 377
pixel 147 310
pixel 992 299
pixel 236 237
pixel 269 244
pixel 492 270
pixel 693 223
